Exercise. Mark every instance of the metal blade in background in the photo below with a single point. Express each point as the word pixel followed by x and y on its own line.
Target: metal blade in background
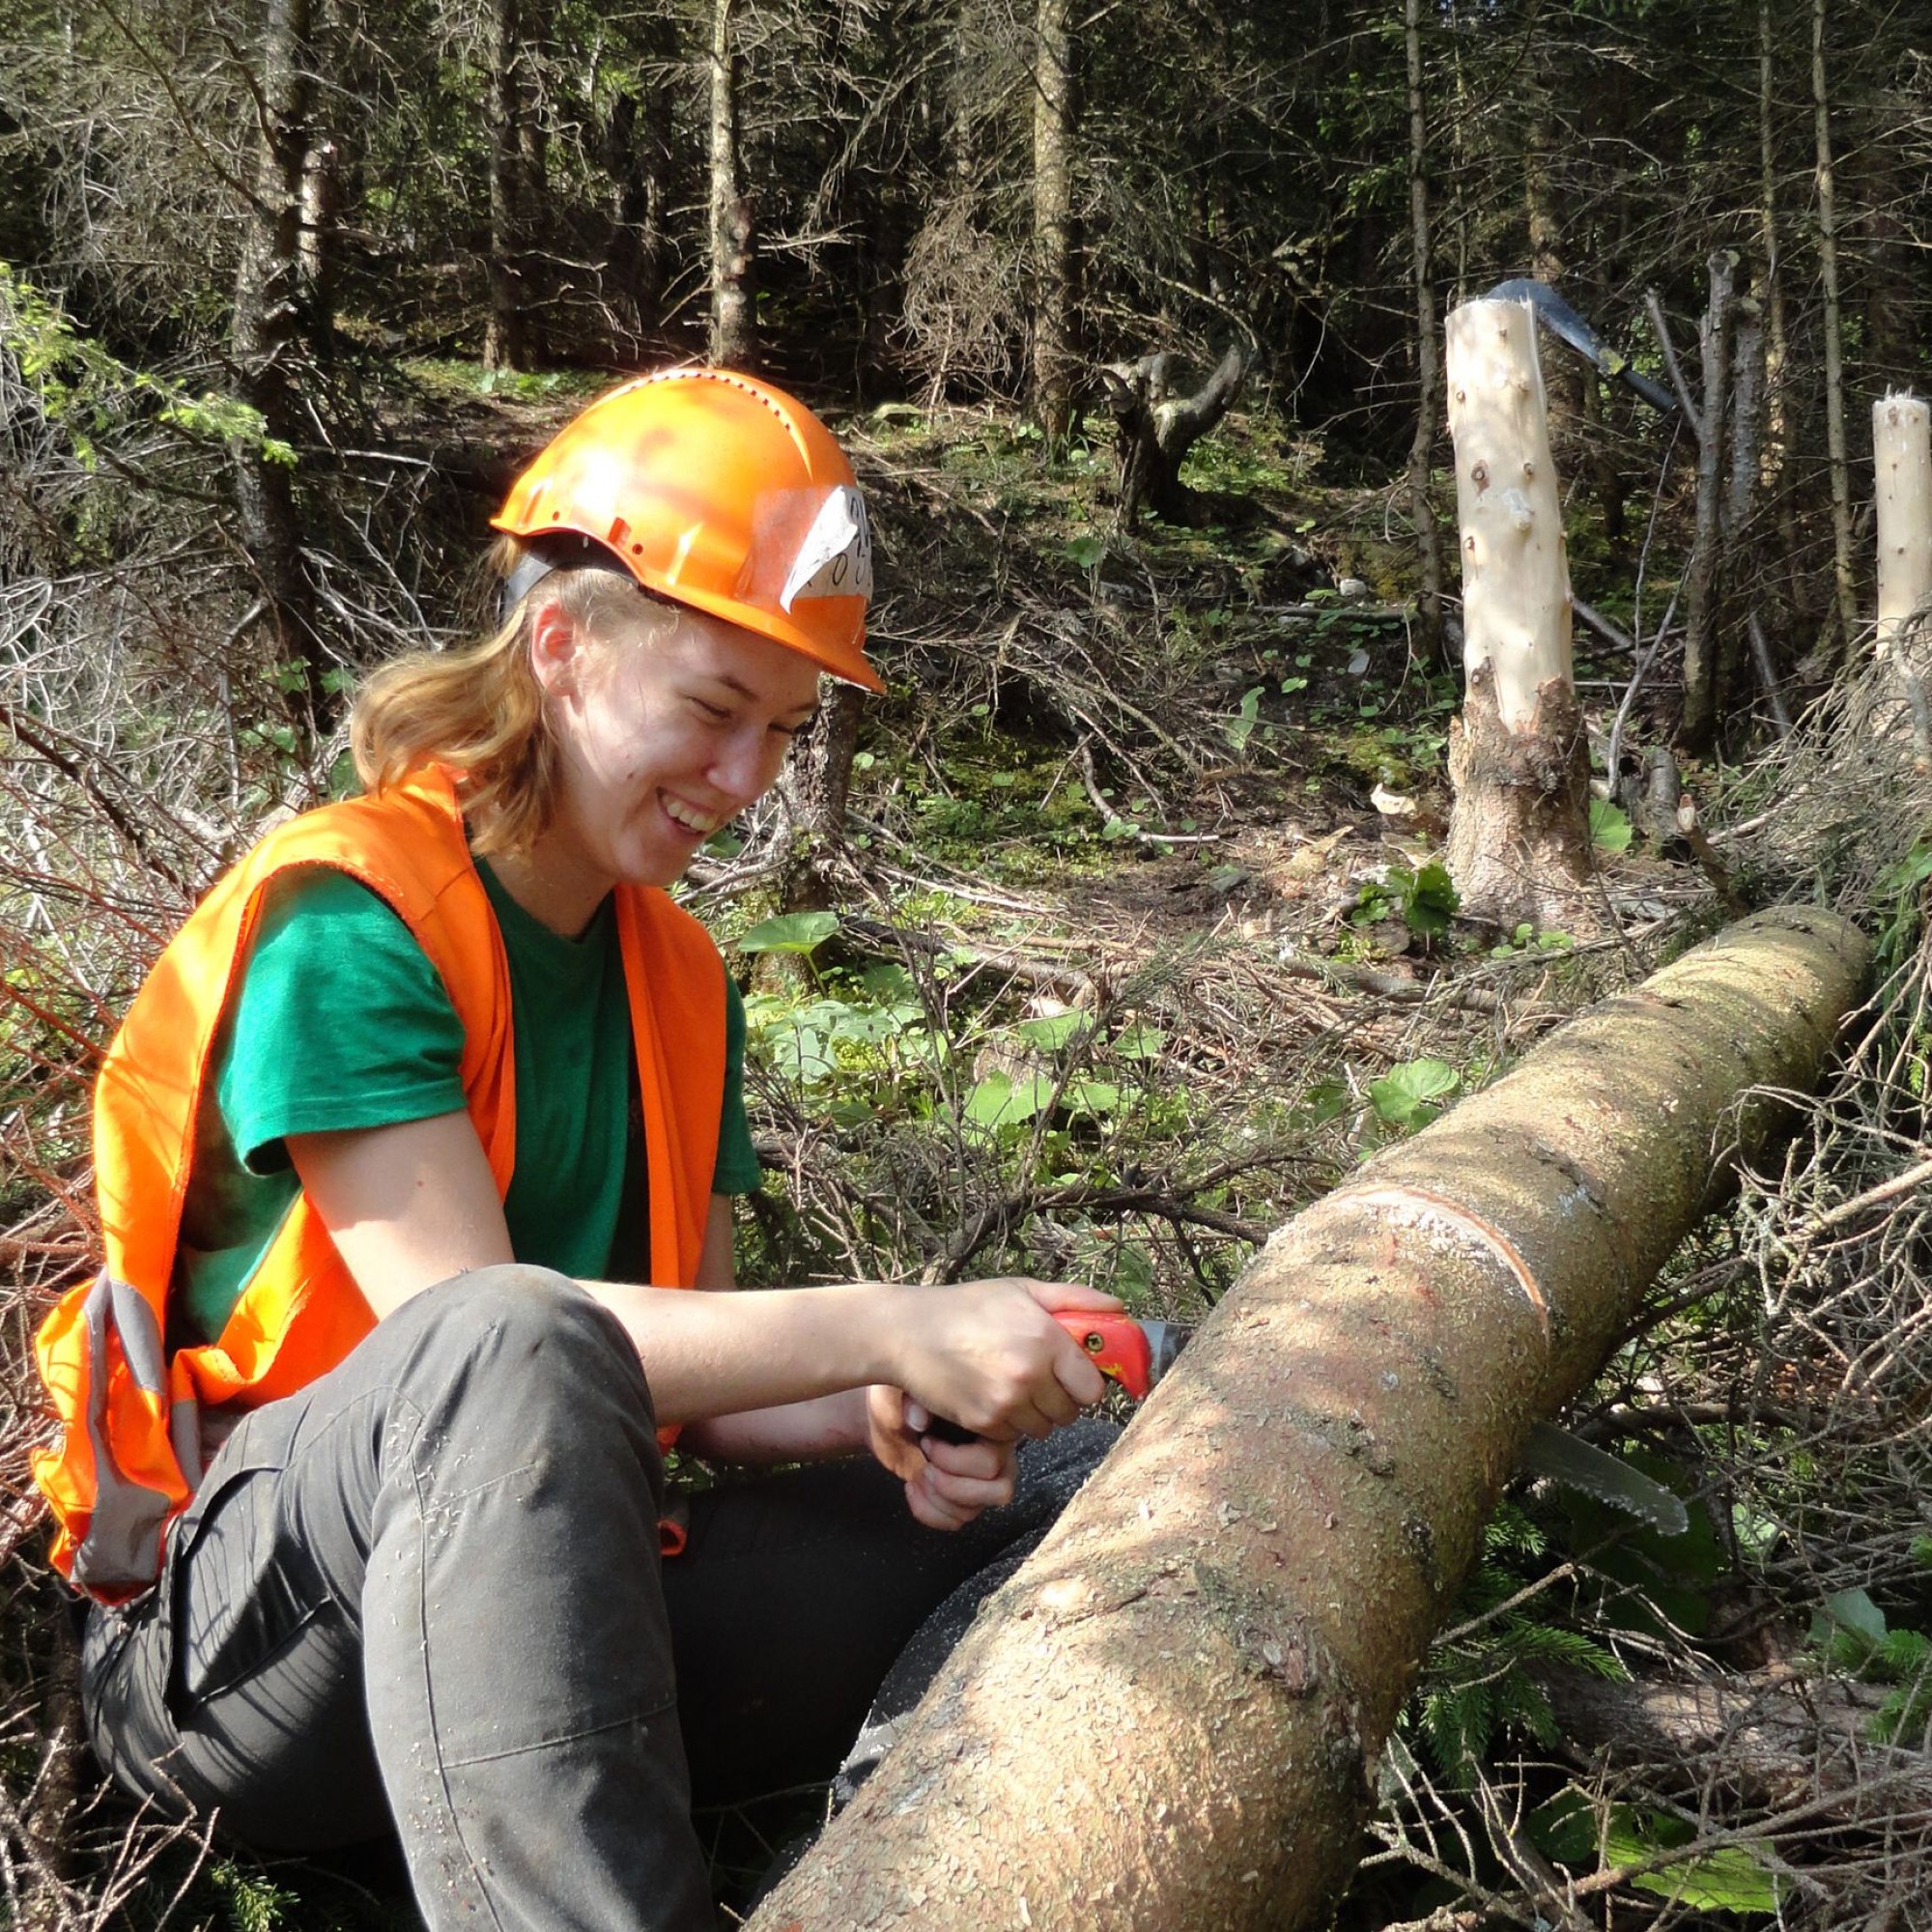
pixel 1567 326
pixel 1562 1458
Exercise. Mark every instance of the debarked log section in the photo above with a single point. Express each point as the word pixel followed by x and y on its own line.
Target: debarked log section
pixel 1172 1715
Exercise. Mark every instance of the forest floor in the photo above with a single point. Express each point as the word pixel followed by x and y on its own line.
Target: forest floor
pixel 1139 943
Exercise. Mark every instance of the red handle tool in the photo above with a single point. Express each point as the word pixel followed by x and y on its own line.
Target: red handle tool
pixel 1136 1355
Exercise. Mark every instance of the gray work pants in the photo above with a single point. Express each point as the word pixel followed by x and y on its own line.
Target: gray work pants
pixel 426 1590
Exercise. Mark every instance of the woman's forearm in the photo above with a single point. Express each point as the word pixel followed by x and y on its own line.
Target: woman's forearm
pixel 827 1426
pixel 987 1354
pixel 710 1356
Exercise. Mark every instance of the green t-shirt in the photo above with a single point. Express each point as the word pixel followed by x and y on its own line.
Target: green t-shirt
pixel 341 1022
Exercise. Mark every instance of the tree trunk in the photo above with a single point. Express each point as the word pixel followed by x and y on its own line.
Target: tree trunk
pixel 1834 357
pixel 1056 356
pixel 1428 382
pixel 816 784
pixel 1778 1738
pixel 734 319
pixel 320 244
pixel 1902 460
pixel 1159 425
pixel 1776 360
pixel 1520 833
pixel 1702 574
pixel 1171 1716
pixel 263 337
pixel 633 284
pixel 505 340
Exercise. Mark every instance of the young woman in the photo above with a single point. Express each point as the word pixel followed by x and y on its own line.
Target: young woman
pixel 407 1154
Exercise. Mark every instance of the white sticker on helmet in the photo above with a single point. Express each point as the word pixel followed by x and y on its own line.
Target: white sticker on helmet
pixel 835 558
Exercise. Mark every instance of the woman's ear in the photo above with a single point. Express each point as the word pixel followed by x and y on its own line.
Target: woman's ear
pixel 558 648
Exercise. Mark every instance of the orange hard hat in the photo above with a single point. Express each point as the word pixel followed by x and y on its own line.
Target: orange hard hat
pixel 720 492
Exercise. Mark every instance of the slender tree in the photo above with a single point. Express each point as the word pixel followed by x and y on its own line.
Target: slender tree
pixel 1428 383
pixel 734 340
pixel 1055 118
pixel 1902 460
pixel 505 343
pixel 263 334
pixel 1701 575
pixel 1834 353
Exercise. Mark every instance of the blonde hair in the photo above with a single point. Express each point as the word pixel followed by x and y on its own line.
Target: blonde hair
pixel 479 710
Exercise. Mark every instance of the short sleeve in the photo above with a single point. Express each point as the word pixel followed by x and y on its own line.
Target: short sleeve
pixel 341 1022
pixel 737 1171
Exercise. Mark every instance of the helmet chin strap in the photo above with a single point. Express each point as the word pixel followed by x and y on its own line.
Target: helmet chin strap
pixel 556 549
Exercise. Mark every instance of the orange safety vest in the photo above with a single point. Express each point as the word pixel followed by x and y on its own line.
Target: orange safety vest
pixel 131 1455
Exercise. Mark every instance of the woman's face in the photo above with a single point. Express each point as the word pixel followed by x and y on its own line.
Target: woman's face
pixel 664 734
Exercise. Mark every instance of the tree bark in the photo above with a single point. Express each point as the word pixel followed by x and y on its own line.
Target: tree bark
pixel 1173 1714
pixel 1056 356
pixel 1902 460
pixel 1776 360
pixel 505 339
pixel 734 315
pixel 1777 1738
pixel 263 335
pixel 816 784
pixel 1703 573
pixel 635 277
pixel 1835 355
pixel 1513 850
pixel 320 244
pixel 1428 380
pixel 1520 831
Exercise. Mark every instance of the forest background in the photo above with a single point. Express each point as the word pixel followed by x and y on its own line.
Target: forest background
pixel 1116 933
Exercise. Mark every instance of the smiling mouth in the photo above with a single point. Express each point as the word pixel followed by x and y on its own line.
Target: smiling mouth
pixel 701 823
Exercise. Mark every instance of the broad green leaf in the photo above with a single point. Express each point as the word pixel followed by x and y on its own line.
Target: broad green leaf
pixel 1140 1042
pixel 1326 1100
pixel 1730 1879
pixel 1727 1880
pixel 1855 1610
pixel 1092 1096
pixel 1410 1095
pixel 790 933
pixel 1086 551
pixel 1609 827
pixel 1052 1032
pixel 1429 898
pixel 1240 729
pixel 1001 1101
pixel 1565 1828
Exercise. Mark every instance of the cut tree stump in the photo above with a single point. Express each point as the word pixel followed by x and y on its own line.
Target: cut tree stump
pixel 1518 845
pixel 1173 1714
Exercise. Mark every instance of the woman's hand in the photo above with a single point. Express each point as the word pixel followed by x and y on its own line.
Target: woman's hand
pixel 989 1355
pixel 946 1484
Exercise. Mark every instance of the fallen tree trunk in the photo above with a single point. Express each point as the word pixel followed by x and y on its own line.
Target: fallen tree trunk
pixel 1173 1714
pixel 1780 1740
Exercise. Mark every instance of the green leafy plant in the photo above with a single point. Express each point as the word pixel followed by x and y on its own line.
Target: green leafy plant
pixel 1482 1682
pixel 793 932
pixel 1241 728
pixel 1729 1878
pixel 1423 897
pixel 86 391
pixel 1853 1634
pixel 1899 894
pixel 1609 827
pixel 1412 1095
